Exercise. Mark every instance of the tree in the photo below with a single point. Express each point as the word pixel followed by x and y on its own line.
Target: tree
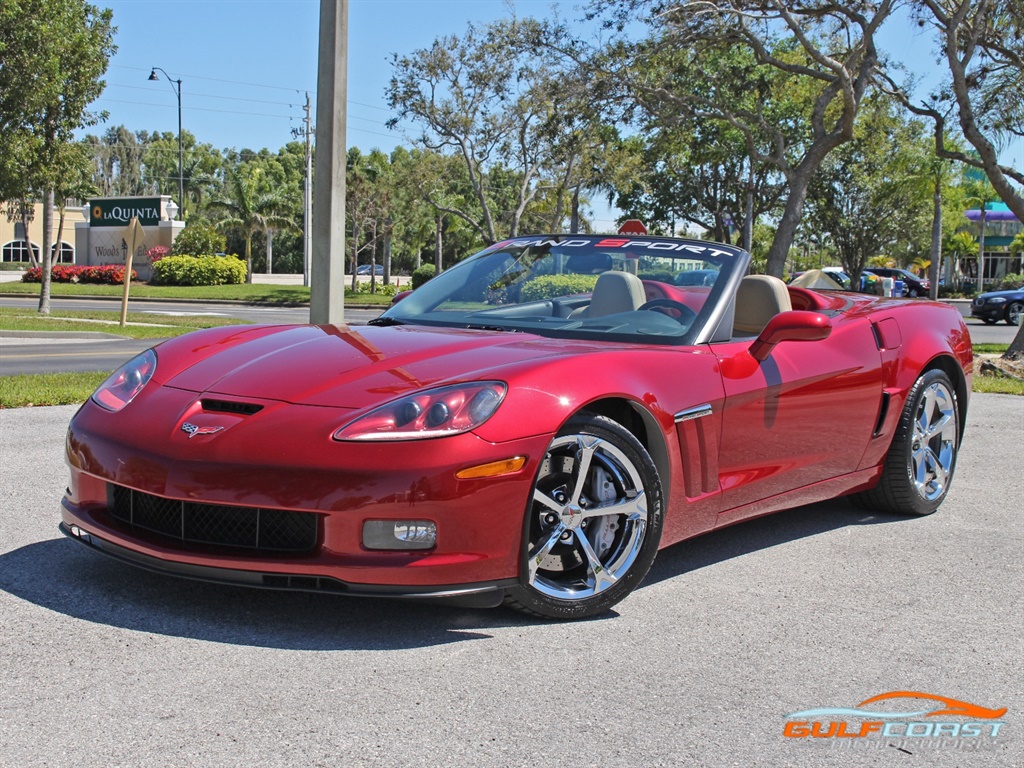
pixel 485 100
pixel 821 51
pixel 864 195
pixel 981 44
pixel 251 206
pixel 54 54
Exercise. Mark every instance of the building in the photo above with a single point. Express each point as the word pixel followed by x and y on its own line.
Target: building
pixel 1001 226
pixel 12 231
pixel 94 233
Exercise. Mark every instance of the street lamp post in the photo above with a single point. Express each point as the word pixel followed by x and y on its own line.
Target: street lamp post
pixel 177 92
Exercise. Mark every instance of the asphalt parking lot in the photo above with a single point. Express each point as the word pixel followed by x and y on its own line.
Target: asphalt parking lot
pixel 822 606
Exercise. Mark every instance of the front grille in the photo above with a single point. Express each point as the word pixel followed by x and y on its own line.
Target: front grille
pixel 230 406
pixel 249 528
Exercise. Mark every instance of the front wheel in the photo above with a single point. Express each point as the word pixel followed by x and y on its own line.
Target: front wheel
pixel 593 525
pixel 1013 313
pixel 920 462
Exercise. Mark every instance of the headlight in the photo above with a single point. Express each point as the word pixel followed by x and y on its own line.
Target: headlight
pixel 997 300
pixel 126 382
pixel 432 413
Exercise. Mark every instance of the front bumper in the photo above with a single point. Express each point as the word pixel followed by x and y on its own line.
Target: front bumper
pixel 478 595
pixel 992 312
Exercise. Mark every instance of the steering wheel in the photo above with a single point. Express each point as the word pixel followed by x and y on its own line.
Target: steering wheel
pixel 675 309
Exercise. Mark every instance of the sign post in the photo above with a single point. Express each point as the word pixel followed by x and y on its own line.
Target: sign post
pixel 133 235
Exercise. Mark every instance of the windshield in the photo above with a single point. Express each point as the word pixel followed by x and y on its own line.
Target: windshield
pixel 650 290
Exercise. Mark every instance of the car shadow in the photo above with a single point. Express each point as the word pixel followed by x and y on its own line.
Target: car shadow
pixel 762 533
pixel 65 577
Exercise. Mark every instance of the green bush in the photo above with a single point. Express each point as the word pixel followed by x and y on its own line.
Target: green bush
pixel 660 276
pixel 550 286
pixel 1009 283
pixel 381 289
pixel 199 240
pixel 199 270
pixel 422 275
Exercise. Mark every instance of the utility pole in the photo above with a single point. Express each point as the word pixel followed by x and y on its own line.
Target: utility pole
pixel 307 191
pixel 327 291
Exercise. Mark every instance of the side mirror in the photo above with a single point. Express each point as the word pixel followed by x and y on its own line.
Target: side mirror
pixel 796 325
pixel 399 296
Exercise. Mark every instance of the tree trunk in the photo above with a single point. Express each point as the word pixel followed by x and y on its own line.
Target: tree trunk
pixel 1016 348
pixel 779 251
pixel 387 255
pixel 28 240
pixel 980 285
pixel 270 250
pixel 936 253
pixel 44 258
pixel 438 243
pixel 248 257
pixel 574 217
pixel 355 255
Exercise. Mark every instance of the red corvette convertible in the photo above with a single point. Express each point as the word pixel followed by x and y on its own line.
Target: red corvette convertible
pixel 529 427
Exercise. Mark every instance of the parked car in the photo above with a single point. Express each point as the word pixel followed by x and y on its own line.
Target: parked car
pixel 536 446
pixel 999 305
pixel 364 269
pixel 913 286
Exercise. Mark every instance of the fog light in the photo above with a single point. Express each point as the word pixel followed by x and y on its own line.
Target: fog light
pixel 399 534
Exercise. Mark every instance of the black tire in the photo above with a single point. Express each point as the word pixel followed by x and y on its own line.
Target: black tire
pixel 989 321
pixel 919 466
pixel 575 561
pixel 1013 313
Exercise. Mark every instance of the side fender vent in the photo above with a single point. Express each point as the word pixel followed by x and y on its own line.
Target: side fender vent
pixel 882 413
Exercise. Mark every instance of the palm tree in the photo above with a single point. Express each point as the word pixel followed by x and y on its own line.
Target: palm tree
pixel 252 207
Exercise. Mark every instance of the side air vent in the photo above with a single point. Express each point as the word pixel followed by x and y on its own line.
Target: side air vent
pixel 231 406
pixel 882 413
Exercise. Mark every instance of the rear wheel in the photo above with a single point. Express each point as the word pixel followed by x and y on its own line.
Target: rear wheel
pixel 920 462
pixel 593 524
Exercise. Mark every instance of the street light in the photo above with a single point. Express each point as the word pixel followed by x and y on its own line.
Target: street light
pixel 177 92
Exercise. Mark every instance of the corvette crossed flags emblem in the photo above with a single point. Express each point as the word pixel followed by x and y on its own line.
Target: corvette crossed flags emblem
pixel 195 429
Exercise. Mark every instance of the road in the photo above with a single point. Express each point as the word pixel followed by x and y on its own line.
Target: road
pixel 23 355
pixel 48 356
pixel 823 606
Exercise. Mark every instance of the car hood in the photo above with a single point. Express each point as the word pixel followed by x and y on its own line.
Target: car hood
pixel 1007 294
pixel 340 366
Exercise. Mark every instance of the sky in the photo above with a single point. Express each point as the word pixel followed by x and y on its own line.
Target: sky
pixel 246 65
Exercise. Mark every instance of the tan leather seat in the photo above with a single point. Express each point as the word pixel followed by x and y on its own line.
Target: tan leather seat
pixel 758 300
pixel 614 292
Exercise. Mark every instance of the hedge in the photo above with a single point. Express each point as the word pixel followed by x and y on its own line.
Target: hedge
pixel 109 274
pixel 422 275
pixel 198 270
pixel 199 240
pixel 551 286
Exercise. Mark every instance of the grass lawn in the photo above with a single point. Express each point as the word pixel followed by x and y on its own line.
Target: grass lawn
pixel 250 294
pixel 48 388
pixel 152 326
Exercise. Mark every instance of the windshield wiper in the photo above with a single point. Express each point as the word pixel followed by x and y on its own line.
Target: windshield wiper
pixel 385 321
pixel 481 327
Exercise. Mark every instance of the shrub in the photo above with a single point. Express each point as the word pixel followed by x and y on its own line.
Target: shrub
pixel 1009 283
pixel 381 290
pixel 108 274
pixel 550 286
pixel 199 270
pixel 199 240
pixel 156 253
pixel 422 275
pixel 660 276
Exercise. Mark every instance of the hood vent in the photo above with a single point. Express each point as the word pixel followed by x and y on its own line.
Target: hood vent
pixel 230 406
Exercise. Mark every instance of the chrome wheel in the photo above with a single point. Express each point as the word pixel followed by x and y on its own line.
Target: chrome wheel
pixel 593 523
pixel 591 517
pixel 1013 313
pixel 919 465
pixel 934 442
